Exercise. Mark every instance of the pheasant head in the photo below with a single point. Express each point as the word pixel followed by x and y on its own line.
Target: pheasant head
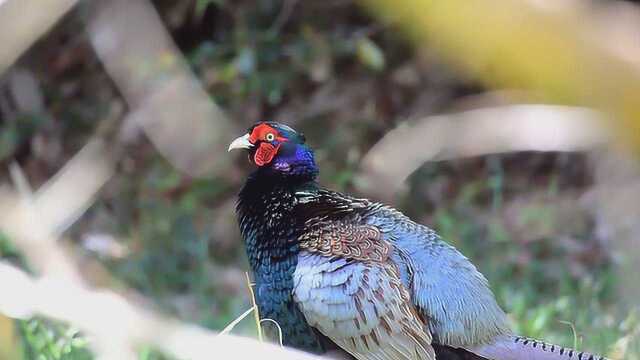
pixel 278 150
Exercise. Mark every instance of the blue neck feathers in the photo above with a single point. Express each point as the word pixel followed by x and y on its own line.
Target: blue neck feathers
pixel 294 162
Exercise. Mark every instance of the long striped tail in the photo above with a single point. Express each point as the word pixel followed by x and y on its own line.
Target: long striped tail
pixel 522 348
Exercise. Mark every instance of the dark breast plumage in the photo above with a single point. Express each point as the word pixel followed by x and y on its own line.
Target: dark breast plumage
pixel 270 231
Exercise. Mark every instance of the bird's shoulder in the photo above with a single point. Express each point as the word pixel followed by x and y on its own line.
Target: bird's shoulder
pixel 334 226
pixel 346 240
pixel 322 202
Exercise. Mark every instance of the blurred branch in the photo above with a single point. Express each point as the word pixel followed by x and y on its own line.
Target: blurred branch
pixel 168 102
pixel 114 321
pixel 61 202
pixel 39 218
pixel 36 17
pixel 561 54
pixel 475 133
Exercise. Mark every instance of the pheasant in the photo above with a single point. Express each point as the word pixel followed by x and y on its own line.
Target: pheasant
pixel 340 273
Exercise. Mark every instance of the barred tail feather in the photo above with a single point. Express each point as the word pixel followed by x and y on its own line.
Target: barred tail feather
pixel 522 348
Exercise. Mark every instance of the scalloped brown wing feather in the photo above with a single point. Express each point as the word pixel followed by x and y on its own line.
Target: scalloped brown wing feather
pixel 357 242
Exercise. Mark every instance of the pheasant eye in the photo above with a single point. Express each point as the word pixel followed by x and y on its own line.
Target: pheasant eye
pixel 270 137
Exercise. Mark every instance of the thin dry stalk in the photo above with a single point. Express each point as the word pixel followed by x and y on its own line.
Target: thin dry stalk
pixel 256 313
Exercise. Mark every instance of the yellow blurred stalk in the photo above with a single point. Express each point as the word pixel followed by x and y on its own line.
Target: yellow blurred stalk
pixel 8 339
pixel 554 53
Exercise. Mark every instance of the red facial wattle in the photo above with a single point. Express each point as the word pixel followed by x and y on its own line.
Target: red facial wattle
pixel 265 153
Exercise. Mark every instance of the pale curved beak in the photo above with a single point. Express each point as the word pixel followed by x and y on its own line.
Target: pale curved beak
pixel 241 143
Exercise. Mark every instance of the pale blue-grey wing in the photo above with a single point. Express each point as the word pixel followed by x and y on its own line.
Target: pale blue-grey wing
pixel 363 307
pixel 445 286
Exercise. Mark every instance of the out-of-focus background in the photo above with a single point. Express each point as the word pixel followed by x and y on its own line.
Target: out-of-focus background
pixel 510 127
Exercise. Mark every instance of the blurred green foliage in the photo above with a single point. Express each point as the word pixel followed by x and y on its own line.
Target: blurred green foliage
pixel 48 340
